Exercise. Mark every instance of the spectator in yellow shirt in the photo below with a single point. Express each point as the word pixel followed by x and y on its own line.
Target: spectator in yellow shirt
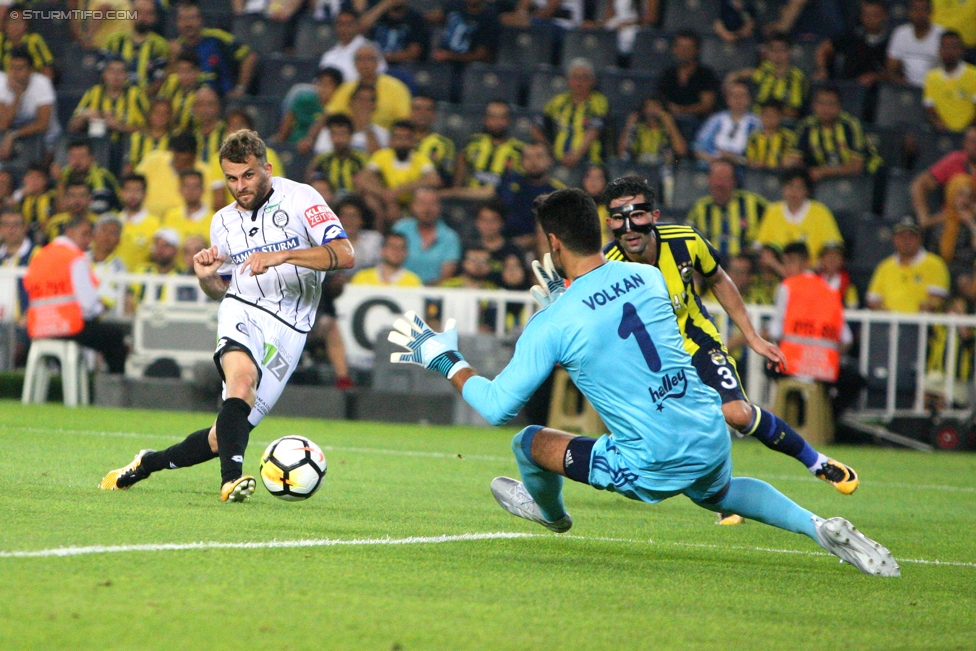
pixel 797 219
pixel 390 269
pixel 392 95
pixel 162 171
pixel 912 280
pixel 138 224
pixel 959 15
pixel 950 90
pixel 394 173
pixel 192 218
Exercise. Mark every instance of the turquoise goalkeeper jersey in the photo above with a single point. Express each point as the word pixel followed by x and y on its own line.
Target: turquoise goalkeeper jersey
pixel 615 333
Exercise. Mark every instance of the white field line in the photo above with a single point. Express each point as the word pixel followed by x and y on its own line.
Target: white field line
pixel 62 552
pixel 448 455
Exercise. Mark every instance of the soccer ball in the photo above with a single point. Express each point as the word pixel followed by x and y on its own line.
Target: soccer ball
pixel 292 468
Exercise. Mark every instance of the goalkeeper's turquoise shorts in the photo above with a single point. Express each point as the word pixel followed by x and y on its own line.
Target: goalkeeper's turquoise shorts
pixel 609 471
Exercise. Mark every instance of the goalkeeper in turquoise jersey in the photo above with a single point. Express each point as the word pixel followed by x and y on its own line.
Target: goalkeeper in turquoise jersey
pixel 614 332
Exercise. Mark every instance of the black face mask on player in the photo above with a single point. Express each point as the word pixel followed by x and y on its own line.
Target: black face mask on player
pixel 624 213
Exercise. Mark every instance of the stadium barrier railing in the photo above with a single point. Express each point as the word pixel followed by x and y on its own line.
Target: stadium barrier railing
pixel 175 319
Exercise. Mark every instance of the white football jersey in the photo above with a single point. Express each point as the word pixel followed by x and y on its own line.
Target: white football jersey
pixel 295 216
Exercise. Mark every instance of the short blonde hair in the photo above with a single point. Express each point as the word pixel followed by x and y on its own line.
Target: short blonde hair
pixel 238 146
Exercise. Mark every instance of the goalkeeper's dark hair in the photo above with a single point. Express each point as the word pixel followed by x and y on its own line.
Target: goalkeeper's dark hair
pixel 571 216
pixel 240 145
pixel 627 186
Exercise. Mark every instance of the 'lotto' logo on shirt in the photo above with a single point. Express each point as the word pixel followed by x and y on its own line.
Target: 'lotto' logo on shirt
pixel 319 214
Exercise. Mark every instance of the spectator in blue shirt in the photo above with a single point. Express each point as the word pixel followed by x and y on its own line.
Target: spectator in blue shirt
pixel 519 191
pixel 227 64
pixel 471 33
pixel 398 29
pixel 433 247
pixel 725 135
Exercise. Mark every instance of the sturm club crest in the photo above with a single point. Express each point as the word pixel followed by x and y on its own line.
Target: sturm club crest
pixel 279 218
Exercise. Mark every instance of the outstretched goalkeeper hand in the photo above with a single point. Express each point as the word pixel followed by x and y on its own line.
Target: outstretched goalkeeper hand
pixel 551 285
pixel 436 351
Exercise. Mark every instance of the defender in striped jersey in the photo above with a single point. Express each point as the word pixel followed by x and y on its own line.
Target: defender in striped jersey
pixel 678 251
pixel 271 249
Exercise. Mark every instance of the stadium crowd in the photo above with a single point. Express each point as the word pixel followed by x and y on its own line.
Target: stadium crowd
pixel 431 128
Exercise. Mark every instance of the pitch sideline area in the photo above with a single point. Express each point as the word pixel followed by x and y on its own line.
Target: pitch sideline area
pixel 404 548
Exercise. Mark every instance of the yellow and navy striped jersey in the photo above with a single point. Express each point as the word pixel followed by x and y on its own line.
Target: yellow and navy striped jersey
pixel 141 143
pixel 181 100
pixel 487 162
pixel 129 108
pixel 440 150
pixel 649 143
pixel 732 227
pixel 767 150
pixel 55 226
pixel 98 179
pixel 825 145
pixel 567 123
pixel 40 53
pixel 791 88
pixel 38 208
pixel 341 171
pixel 208 145
pixel 681 251
pixel 139 59
pixel 939 350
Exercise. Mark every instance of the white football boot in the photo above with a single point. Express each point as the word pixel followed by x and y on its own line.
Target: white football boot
pixel 513 497
pixel 840 538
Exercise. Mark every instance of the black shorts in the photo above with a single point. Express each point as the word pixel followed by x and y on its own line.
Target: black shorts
pixel 717 369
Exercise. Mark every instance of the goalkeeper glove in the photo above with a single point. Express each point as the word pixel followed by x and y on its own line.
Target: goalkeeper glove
pixel 438 352
pixel 551 285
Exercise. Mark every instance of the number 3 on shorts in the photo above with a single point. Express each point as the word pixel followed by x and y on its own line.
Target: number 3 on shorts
pixel 728 379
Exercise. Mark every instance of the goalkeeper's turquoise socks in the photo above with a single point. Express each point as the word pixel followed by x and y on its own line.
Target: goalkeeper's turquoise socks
pixel 773 432
pixel 545 486
pixel 759 501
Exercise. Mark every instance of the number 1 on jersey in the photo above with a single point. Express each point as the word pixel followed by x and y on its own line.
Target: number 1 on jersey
pixel 631 324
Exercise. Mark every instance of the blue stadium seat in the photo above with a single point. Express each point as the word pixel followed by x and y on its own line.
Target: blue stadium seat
pixel 458 123
pixel 66 102
pixel 689 184
pixel 82 73
pixel 432 79
pixel 265 111
pixel 933 146
pixel 690 14
pixel 572 177
pixel 263 35
pixel 898 200
pixel 56 33
pixel 279 73
pixel 522 121
pixel 899 105
pixel 295 163
pixel 543 87
pixel 873 244
pixel 803 57
pixel 763 183
pixel 598 46
pixel 626 90
pixel 484 83
pixel 889 142
pixel 525 47
pixel 313 38
pixel 651 173
pixel 850 193
pixel 652 52
pixel 725 57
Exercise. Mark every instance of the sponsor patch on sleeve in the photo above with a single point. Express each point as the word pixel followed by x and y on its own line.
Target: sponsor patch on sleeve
pixel 319 214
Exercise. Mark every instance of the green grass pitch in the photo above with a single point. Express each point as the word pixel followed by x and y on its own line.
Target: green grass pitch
pixel 374 574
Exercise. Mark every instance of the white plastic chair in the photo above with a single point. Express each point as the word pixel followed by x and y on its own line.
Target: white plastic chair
pixel 74 372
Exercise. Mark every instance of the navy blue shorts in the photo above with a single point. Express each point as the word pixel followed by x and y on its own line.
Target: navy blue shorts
pixel 717 369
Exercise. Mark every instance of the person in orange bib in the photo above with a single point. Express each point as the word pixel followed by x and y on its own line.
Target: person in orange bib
pixel 63 299
pixel 809 321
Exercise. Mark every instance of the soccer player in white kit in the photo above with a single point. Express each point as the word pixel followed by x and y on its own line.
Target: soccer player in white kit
pixel 271 250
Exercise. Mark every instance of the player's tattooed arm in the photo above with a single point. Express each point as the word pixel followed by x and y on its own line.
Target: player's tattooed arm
pixel 206 264
pixel 337 254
